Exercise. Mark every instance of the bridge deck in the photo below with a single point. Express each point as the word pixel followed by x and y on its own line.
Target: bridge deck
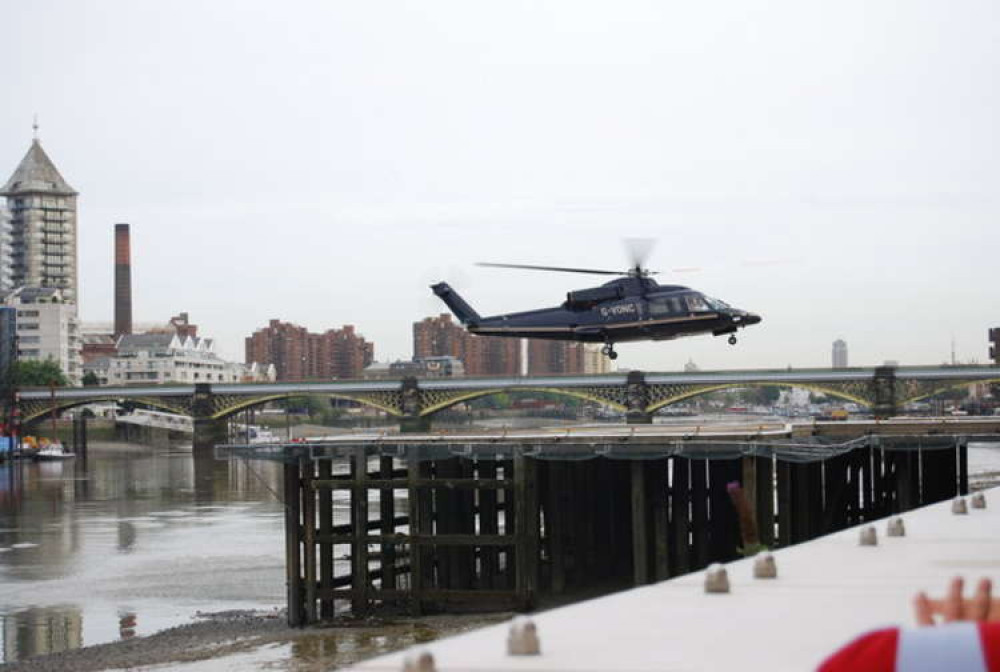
pixel 823 439
pixel 827 592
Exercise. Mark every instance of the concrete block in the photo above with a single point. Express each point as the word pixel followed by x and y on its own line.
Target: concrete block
pixel 716 579
pixel 522 639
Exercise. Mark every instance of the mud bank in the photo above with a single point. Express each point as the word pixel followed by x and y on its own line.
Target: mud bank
pixel 221 635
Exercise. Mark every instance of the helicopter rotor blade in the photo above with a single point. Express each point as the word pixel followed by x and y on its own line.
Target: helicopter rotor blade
pixel 638 250
pixel 559 269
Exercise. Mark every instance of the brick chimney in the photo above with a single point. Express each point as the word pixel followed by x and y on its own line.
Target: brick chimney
pixel 123 280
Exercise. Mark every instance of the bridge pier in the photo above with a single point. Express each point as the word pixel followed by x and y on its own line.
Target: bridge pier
pixel 208 433
pixel 411 424
pixel 884 382
pixel 412 421
pixel 637 399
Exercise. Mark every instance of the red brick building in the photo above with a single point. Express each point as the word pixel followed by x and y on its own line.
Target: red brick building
pixel 481 355
pixel 298 354
pixel 556 357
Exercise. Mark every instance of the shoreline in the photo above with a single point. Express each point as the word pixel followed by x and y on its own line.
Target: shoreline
pixel 221 635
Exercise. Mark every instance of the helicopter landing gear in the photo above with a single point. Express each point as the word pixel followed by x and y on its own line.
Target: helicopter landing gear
pixel 609 351
pixel 732 340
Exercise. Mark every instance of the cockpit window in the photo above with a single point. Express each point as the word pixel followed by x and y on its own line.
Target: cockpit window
pixel 671 305
pixel 716 304
pixel 695 303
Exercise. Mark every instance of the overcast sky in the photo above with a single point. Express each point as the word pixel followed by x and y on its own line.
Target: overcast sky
pixel 323 162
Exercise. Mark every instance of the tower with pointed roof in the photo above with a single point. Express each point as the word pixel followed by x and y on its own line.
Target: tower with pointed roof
pixel 42 209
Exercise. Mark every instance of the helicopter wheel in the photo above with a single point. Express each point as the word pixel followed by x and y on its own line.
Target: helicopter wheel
pixel 609 351
pixel 612 355
pixel 732 340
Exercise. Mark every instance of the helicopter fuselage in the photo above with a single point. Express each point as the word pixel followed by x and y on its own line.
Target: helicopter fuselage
pixel 623 310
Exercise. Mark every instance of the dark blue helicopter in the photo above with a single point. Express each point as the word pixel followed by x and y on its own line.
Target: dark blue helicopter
pixel 630 308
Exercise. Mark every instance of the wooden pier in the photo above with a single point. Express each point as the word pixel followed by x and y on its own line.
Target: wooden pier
pixel 430 523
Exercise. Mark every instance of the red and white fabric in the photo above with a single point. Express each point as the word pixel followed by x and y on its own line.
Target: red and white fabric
pixel 952 647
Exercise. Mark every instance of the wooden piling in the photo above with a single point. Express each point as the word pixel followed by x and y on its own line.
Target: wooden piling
pixel 387 525
pixel 556 522
pixel 786 515
pixel 963 467
pixel 489 524
pixel 640 524
pixel 658 480
pixel 308 471
pixel 724 531
pixel 293 541
pixel 526 552
pixel 419 514
pixel 763 500
pixel 509 514
pixel 359 521
pixel 680 515
pixel 699 514
pixel 326 571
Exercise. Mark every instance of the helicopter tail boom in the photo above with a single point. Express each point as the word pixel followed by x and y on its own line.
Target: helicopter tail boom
pixel 463 311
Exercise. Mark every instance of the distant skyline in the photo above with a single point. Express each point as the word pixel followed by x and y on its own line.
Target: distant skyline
pixel 832 167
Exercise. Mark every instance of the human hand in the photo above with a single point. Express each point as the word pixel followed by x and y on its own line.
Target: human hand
pixel 982 606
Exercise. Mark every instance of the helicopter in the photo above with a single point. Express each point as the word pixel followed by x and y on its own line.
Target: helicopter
pixel 632 307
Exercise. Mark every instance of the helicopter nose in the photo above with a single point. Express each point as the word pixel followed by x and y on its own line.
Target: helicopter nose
pixel 751 318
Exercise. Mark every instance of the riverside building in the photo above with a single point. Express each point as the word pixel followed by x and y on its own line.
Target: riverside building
pixel 480 355
pixel 298 354
pixel 160 358
pixel 47 328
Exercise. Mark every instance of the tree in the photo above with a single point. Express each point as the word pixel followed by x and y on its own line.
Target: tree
pixel 34 373
pixel 90 379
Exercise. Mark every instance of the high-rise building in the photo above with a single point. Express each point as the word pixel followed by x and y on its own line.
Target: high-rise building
pixel 6 253
pixel 994 335
pixel 481 355
pixel 297 354
pixel 839 354
pixel 43 225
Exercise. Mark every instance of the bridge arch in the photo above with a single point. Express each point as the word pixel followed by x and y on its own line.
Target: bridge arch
pixel 930 392
pixel 245 403
pixel 454 400
pixel 707 389
pixel 39 413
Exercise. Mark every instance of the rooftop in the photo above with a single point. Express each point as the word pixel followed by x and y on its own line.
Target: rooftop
pixel 37 174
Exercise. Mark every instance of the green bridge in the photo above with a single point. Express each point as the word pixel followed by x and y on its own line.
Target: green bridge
pixel 637 394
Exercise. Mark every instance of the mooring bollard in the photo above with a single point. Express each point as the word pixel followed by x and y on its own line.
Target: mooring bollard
pixel 958 506
pixel 868 536
pixel 896 527
pixel 419 661
pixel 979 501
pixel 716 579
pixel 522 638
pixel 764 566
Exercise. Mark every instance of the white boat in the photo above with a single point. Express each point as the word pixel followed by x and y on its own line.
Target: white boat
pixel 52 452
